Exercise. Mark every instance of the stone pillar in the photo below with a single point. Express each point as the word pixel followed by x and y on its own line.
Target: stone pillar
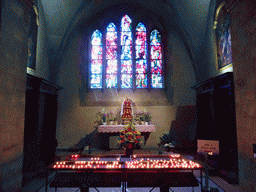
pixel 13 60
pixel 243 34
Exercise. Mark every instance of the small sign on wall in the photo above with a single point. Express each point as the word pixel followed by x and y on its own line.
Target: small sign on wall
pixel 208 146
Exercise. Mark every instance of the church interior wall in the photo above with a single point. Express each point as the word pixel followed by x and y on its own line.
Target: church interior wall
pixel 13 60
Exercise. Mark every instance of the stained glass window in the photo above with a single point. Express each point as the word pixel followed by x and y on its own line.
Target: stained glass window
pixel 96 60
pixel 111 56
pixel 122 67
pixel 156 60
pixel 141 56
pixel 126 52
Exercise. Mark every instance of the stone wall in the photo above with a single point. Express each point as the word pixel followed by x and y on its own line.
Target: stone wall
pixel 243 30
pixel 13 60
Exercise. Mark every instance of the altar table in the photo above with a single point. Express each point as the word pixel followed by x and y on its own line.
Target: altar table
pixel 113 130
pixel 117 128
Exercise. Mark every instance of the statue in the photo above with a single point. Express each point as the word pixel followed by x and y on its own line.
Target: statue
pixel 126 112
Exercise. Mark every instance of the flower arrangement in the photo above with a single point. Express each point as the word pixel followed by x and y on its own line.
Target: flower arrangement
pixel 129 136
pixel 102 115
pixel 147 116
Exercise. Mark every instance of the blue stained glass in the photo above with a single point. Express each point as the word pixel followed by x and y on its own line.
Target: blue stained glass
pixel 126 66
pixel 141 66
pixel 111 67
pixel 111 81
pixel 96 60
pixel 140 27
pixel 156 80
pixel 155 38
pixel 126 38
pixel 96 38
pixel 126 80
pixel 141 80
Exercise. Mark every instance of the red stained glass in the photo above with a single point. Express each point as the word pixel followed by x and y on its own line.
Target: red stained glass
pixel 141 43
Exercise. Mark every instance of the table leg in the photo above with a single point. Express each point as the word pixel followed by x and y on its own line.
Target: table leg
pixel 164 189
pixel 84 189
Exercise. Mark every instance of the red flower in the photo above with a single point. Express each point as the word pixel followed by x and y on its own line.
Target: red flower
pixel 134 132
pixel 122 141
pixel 138 136
pixel 129 145
pixel 122 136
pixel 129 129
pixel 136 141
pixel 129 137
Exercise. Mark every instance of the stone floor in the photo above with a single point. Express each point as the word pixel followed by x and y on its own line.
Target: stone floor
pixel 215 183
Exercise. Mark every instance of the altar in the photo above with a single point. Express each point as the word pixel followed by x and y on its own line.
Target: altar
pixel 127 117
pixel 109 134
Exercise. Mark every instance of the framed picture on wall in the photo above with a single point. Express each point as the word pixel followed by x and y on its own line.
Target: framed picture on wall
pixel 223 36
pixel 32 40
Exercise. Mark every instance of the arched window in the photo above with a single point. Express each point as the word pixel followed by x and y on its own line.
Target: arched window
pixel 120 57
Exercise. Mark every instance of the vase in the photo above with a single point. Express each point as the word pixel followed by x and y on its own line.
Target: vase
pixel 129 151
pixel 104 123
pixel 146 123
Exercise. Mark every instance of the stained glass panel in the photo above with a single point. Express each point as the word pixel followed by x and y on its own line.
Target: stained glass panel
pixel 96 59
pixel 111 42
pixel 126 80
pixel 126 66
pixel 156 80
pixel 141 66
pixel 126 52
pixel 96 38
pixel 126 23
pixel 96 66
pixel 141 80
pixel 156 66
pixel 96 81
pixel 111 67
pixel 141 43
pixel 111 81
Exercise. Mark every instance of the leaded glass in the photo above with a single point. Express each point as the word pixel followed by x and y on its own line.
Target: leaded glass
pixel 111 80
pixel 156 66
pixel 96 59
pixel 141 66
pixel 111 42
pixel 156 80
pixel 96 81
pixel 96 38
pixel 156 60
pixel 126 80
pixel 126 23
pixel 141 80
pixel 141 41
pixel 126 66
pixel 113 59
pixel 126 52
pixel 96 66
pixel 111 67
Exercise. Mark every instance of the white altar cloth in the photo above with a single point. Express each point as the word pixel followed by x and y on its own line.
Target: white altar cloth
pixel 117 128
